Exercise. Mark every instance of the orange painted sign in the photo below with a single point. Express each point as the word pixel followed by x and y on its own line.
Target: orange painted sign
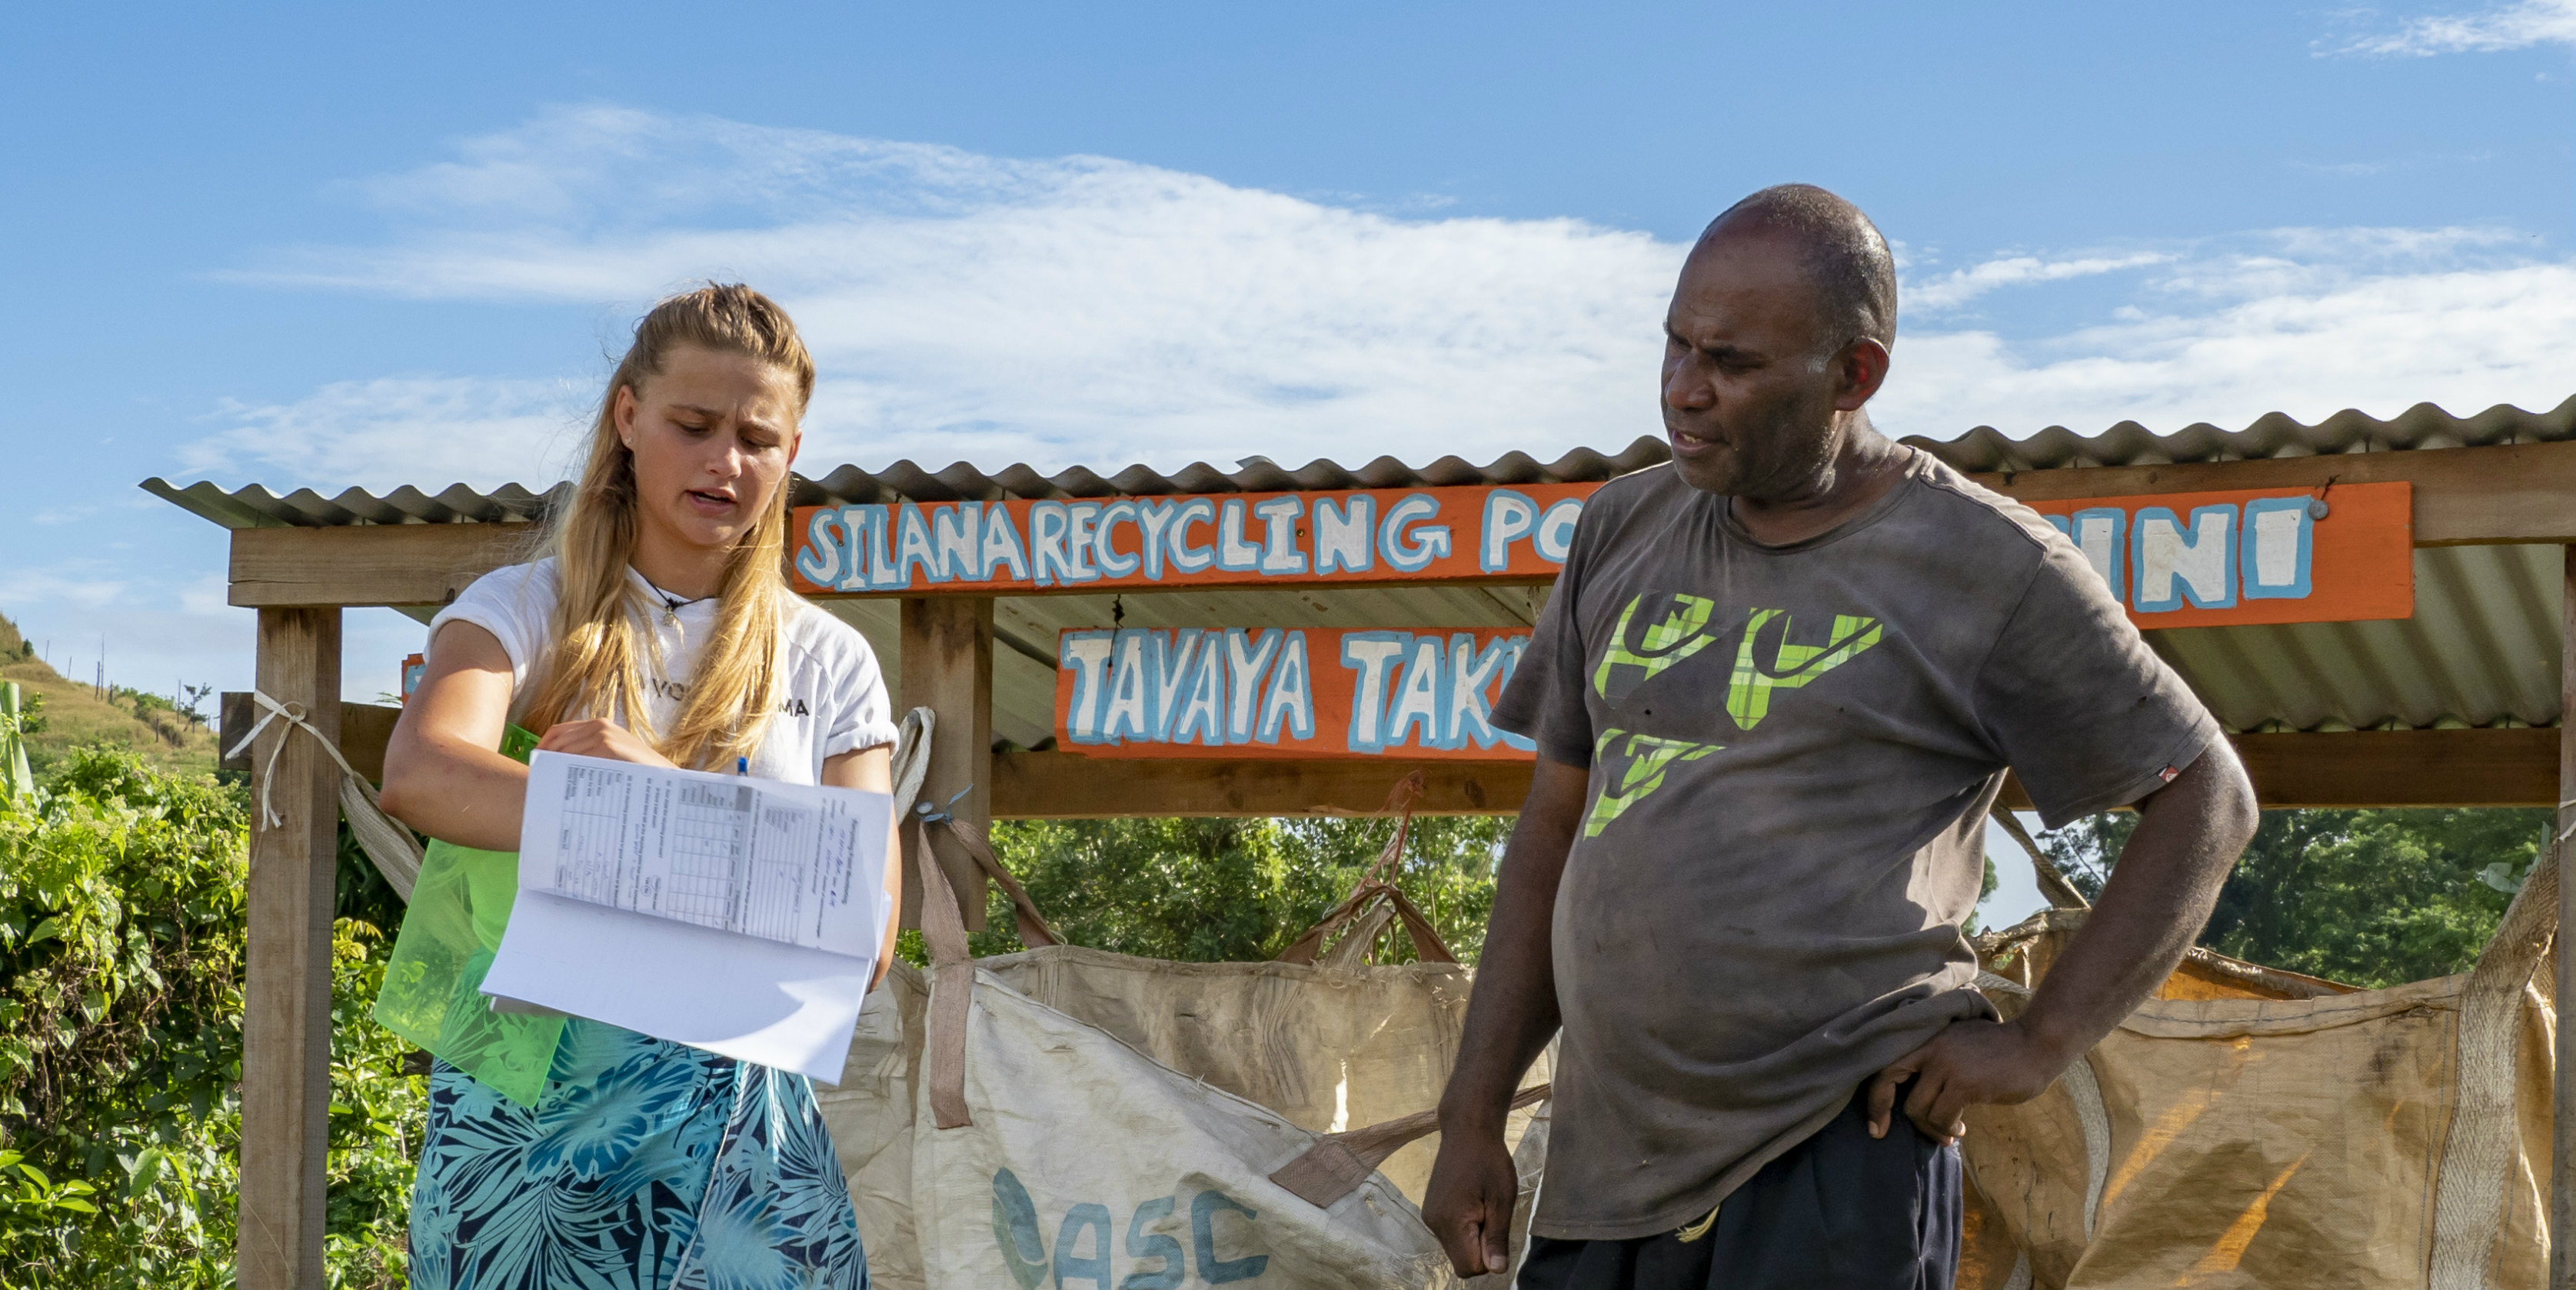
pixel 2175 559
pixel 1287 692
pixel 1198 540
pixel 2249 556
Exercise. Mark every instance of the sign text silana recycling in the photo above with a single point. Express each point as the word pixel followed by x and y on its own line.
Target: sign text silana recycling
pixel 2342 553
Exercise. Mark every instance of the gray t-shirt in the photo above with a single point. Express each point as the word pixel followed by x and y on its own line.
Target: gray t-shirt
pixel 1792 751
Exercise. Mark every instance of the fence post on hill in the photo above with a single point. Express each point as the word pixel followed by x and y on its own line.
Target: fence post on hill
pixel 2562 1160
pixel 948 668
pixel 286 1005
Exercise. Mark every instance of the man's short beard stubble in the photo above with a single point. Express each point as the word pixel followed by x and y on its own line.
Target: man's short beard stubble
pixel 1777 452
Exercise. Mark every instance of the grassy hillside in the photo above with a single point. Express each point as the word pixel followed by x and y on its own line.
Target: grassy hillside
pixel 75 716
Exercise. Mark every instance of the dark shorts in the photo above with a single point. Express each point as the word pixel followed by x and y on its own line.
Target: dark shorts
pixel 1841 1210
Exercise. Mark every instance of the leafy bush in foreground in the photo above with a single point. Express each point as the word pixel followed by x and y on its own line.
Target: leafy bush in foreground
pixel 121 955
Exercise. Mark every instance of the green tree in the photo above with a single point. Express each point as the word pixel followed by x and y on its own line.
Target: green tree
pixel 1233 890
pixel 121 954
pixel 2376 897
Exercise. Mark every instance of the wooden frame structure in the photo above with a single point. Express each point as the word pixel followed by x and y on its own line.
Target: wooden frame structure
pixel 2517 488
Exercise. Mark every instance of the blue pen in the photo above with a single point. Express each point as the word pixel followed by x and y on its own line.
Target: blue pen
pixel 742 765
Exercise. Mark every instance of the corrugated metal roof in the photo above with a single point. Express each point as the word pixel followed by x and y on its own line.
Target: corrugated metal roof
pixel 2481 650
pixel 2423 426
pixel 2272 435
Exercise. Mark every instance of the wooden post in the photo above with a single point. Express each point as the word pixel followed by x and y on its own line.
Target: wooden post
pixel 948 668
pixel 286 1004
pixel 2562 1144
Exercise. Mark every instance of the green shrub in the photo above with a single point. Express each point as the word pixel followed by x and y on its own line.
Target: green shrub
pixel 121 954
pixel 2375 897
pixel 1233 890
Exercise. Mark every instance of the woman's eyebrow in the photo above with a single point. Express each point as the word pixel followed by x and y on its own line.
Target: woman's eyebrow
pixel 719 414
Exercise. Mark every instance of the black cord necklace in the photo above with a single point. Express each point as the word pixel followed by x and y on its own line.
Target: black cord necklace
pixel 672 605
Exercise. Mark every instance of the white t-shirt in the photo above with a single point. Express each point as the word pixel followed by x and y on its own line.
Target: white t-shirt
pixel 836 694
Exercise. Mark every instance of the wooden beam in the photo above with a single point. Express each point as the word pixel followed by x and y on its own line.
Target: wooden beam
pixel 2562 1170
pixel 948 668
pixel 1055 785
pixel 370 564
pixel 2354 768
pixel 2463 496
pixel 2403 768
pixel 286 1004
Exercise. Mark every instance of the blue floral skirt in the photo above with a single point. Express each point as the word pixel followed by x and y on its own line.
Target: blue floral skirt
pixel 646 1165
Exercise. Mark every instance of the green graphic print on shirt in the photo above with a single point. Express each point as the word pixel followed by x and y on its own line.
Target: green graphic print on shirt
pixel 1748 696
pixel 1649 757
pixel 1677 637
pixel 1681 632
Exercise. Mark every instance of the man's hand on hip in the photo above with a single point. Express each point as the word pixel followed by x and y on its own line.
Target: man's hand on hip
pixel 2160 892
pixel 1971 1063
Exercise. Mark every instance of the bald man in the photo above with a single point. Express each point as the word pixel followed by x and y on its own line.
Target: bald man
pixel 1774 696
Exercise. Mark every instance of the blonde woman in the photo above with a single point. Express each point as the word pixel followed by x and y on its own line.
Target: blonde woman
pixel 657 628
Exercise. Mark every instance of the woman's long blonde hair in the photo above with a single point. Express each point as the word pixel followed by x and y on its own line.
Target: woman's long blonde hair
pixel 596 666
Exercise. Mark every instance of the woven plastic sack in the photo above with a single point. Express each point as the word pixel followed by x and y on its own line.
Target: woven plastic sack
pixel 1306 1049
pixel 2256 1128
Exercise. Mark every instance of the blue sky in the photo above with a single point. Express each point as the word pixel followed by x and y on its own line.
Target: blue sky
pixel 324 246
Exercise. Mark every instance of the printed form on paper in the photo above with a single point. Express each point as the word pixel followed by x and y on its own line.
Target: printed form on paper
pixel 742 916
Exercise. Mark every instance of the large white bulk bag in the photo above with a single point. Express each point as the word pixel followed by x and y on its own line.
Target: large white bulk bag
pixel 1152 1081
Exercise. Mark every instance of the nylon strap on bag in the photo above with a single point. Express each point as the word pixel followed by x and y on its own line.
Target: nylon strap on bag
pixel 1374 888
pixel 1338 1163
pixel 952 988
pixel 952 961
pixel 2052 883
pixel 1427 944
pixel 1034 931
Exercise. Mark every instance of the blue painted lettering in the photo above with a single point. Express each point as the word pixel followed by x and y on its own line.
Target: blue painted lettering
pixel 1509 517
pixel 1343 533
pixel 1279 553
pixel 1409 548
pixel 1204 1208
pixel 1048 565
pixel 1370 653
pixel 1093 1218
pixel 1187 558
pixel 1111 560
pixel 1233 553
pixel 953 530
pixel 1290 702
pixel 1247 657
pixel 820 560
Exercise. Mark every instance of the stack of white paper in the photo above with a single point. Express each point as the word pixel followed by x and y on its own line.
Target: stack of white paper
pixel 737 915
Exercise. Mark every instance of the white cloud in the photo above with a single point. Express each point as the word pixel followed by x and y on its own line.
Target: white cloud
pixel 2514 26
pixel 1076 310
pixel 1953 289
pixel 1093 311
pixel 425 431
pixel 78 584
pixel 2465 339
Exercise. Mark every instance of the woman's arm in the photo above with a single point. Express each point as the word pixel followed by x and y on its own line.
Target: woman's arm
pixel 444 773
pixel 873 769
